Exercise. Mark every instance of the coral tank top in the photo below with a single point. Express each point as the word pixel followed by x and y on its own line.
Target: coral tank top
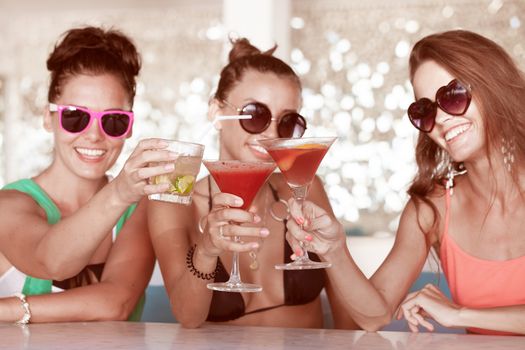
pixel 477 283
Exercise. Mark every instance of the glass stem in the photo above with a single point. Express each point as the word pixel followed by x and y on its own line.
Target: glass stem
pixel 304 257
pixel 235 274
pixel 299 194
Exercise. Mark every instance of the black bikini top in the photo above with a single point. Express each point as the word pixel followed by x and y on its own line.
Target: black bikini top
pixel 300 286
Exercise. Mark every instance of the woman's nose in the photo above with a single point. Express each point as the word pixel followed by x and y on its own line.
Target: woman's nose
pixel 442 117
pixel 271 131
pixel 94 133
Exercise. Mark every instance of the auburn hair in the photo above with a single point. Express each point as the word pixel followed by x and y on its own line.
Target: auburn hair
pixel 498 88
pixel 93 50
pixel 244 57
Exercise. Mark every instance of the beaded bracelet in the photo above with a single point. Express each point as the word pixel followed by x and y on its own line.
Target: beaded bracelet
pixel 193 269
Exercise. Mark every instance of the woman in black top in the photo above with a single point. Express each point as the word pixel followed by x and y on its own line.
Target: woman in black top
pixel 188 240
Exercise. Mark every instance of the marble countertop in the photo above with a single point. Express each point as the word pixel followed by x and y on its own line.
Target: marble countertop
pixel 134 335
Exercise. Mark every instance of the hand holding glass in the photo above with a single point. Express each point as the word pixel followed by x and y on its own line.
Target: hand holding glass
pixel 182 178
pixel 243 179
pixel 298 160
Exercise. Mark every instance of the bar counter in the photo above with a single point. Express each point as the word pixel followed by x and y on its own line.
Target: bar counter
pixel 158 336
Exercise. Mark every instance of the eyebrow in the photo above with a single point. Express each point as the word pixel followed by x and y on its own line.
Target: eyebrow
pixel 105 110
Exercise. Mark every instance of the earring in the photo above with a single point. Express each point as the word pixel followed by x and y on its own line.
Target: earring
pixel 451 173
pixel 507 149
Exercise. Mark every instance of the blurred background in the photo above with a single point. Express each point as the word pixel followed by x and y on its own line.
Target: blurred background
pixel 351 55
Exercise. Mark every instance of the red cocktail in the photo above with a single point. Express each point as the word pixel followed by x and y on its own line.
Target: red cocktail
pixel 243 179
pixel 298 160
pixel 299 164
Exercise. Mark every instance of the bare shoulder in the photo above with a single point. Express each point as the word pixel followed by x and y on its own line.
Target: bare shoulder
pixel 318 194
pixel 420 216
pixel 278 183
pixel 19 213
pixel 202 189
pixel 278 180
pixel 317 184
pixel 14 203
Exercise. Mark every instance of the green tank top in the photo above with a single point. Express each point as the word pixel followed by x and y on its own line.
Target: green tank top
pixel 36 286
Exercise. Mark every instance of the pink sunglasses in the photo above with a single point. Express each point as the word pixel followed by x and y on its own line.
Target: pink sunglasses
pixel 73 119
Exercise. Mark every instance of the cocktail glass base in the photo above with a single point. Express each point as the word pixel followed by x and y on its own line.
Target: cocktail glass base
pixel 235 287
pixel 304 264
pixel 173 198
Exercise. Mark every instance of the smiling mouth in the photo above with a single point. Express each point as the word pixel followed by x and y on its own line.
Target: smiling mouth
pixel 258 148
pixel 451 134
pixel 90 152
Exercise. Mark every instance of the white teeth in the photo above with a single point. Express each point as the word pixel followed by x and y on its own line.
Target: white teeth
pixel 456 131
pixel 258 148
pixel 90 152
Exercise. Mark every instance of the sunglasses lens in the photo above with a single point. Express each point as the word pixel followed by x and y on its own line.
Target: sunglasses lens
pixel 261 118
pixel 422 114
pixel 74 120
pixel 115 124
pixel 453 98
pixel 291 125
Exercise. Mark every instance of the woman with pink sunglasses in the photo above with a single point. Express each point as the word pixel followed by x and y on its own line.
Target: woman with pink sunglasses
pixel 70 229
pixel 467 200
pixel 194 244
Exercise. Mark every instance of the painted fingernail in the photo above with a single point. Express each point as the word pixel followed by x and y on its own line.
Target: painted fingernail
pixel 309 238
pixel 298 252
pixel 264 232
pixel 256 218
pixel 299 220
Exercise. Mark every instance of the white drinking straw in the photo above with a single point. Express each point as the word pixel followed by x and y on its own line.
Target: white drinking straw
pixel 222 117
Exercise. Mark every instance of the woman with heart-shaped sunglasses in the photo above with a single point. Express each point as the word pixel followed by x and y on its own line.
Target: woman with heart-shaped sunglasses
pixel 469 110
pixel 71 229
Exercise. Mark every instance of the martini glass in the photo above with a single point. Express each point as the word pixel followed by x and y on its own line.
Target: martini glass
pixel 298 160
pixel 243 179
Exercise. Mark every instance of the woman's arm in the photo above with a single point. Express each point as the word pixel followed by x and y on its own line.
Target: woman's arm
pixel 126 274
pixel 431 302
pixel 371 303
pixel 171 227
pixel 174 231
pixel 506 319
pixel 61 250
pixel 341 318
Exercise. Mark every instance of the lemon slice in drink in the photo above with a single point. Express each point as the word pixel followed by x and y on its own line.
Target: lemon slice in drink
pixel 286 163
pixel 161 179
pixel 183 184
